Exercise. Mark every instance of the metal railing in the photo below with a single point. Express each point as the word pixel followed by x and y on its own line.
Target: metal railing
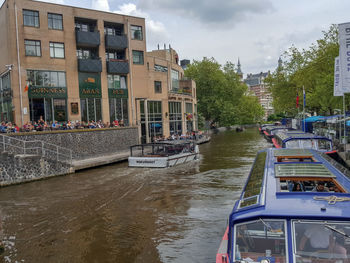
pixel 40 148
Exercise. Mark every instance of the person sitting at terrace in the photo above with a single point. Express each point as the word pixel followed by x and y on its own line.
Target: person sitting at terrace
pixel 320 187
pixel 116 123
pixel 121 123
pixel 3 127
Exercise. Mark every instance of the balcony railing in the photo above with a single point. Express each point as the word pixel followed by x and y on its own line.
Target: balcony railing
pixel 183 91
pixel 90 65
pixel 116 42
pixel 115 66
pixel 87 39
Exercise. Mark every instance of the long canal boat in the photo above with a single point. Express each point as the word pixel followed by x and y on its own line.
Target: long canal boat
pixel 163 154
pixel 274 223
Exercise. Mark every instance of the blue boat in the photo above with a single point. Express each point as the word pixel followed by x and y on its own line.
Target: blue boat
pixel 294 140
pixel 295 208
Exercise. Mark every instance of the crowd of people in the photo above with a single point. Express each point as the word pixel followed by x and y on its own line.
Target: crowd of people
pixel 42 125
pixel 313 186
pixel 194 135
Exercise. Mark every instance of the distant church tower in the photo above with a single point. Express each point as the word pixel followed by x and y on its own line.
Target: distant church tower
pixel 279 67
pixel 239 70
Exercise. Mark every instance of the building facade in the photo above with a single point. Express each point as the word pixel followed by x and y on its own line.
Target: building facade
pixel 258 88
pixel 65 63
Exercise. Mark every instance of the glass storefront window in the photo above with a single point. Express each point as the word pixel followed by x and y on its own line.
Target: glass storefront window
pixel 91 109
pixel 118 109
pixel 175 118
pixel 49 109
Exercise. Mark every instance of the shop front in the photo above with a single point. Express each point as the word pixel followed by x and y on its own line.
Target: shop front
pixel 47 94
pixel 90 96
pixel 118 99
pixel 189 117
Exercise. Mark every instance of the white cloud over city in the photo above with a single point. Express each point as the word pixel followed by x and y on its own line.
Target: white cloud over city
pixel 256 31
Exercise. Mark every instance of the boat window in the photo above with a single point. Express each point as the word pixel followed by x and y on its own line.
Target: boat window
pixel 255 180
pixel 261 239
pixel 310 185
pixel 293 144
pixel 307 144
pixel 321 241
pixel 324 145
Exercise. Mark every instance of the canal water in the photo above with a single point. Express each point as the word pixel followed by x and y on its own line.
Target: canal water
pixel 121 214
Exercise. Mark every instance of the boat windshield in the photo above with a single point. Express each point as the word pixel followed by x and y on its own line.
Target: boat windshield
pixel 316 144
pixel 260 239
pixel 321 242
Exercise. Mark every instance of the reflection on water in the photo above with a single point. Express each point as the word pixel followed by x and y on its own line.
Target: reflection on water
pixel 121 214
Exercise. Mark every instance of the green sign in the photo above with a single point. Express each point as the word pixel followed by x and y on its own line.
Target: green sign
pixel 47 92
pixel 117 93
pixel 89 85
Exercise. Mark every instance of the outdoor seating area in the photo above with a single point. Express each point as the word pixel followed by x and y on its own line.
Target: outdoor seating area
pixel 41 125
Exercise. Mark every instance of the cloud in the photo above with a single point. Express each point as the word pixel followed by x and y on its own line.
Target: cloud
pixel 156 31
pixel 209 11
pixel 101 5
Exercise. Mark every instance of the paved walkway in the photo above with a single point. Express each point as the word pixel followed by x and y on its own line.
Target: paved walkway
pixel 100 160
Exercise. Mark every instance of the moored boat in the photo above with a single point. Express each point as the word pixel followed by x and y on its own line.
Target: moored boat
pixel 163 154
pixel 295 208
pixel 270 131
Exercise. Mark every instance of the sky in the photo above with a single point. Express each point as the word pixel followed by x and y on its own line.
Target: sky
pixel 257 32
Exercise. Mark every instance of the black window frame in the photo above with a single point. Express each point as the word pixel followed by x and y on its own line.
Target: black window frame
pixel 33 15
pixel 133 31
pixel 133 57
pixel 52 18
pixel 35 45
pixel 64 53
pixel 157 86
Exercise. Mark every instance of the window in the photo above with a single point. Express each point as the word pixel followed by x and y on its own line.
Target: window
pixel 111 55
pixel 114 30
pixel 175 79
pixel 46 78
pixel 160 68
pixel 55 21
pixel 158 87
pixel 32 48
pixel 137 57
pixel 116 82
pixel 56 50
pixel 118 109
pixel 85 27
pixel 31 18
pixel 136 32
pixel 175 118
pixel 263 238
pixel 86 54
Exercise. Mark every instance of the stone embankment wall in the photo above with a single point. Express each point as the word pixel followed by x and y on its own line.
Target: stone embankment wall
pixel 88 142
pixel 23 168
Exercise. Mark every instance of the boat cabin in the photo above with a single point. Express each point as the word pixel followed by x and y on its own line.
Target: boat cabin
pixel 295 208
pixel 270 131
pixel 302 141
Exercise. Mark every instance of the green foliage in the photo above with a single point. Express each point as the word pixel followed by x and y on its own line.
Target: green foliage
pixel 312 69
pixel 220 94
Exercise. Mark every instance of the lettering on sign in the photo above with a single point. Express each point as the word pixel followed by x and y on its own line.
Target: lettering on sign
pixel 118 92
pixel 145 161
pixel 48 91
pixel 90 91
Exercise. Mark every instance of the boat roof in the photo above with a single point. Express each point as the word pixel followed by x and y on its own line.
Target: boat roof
pixel 270 202
pixel 278 127
pixel 286 136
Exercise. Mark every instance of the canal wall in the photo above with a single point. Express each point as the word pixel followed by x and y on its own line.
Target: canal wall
pixel 16 169
pixel 87 143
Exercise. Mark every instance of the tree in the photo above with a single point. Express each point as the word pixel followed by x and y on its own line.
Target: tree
pixel 311 69
pixel 220 93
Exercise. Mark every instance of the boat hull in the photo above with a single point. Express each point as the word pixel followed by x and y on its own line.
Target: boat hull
pixel 162 162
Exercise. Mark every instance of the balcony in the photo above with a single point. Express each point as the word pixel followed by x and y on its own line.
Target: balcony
pixel 183 87
pixel 90 65
pixel 116 42
pixel 115 66
pixel 87 39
